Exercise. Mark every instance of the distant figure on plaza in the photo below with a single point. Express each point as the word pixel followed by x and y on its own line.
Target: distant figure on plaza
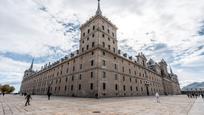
pixel 48 95
pixel 202 95
pixel 157 97
pixel 28 98
pixel 3 93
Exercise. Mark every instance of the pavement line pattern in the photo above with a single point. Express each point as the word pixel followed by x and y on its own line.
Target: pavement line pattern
pixel 146 105
pixel 198 107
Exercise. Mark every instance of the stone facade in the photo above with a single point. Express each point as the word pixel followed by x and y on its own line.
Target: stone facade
pixel 100 69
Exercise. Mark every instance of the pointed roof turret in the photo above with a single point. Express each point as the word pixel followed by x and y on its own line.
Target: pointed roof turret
pixel 171 70
pixel 98 12
pixel 31 66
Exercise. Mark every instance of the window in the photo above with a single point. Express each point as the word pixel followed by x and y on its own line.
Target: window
pixel 88 30
pixel 136 89
pixel 104 63
pixel 115 66
pixel 82 49
pixel 93 44
pixel 130 79
pixel 79 76
pixel 113 34
pixel 130 88
pixel 129 71
pixel 108 31
pixel 103 35
pixel 80 66
pixel 79 86
pixel 103 44
pixel 65 88
pixel 92 62
pixel 91 86
pixel 104 74
pixel 92 35
pixel 92 53
pixel 91 74
pixel 123 69
pixel 87 47
pixel 123 78
pixel 114 50
pixel 113 42
pixel 93 27
pixel 88 39
pixel 108 39
pixel 72 87
pixel 109 47
pixel 66 79
pixel 83 34
pixel 116 87
pixel 104 86
pixel 104 53
pixel 72 78
pixel 103 27
pixel 123 87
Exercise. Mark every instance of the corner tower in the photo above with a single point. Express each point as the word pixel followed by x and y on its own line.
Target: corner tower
pixel 98 31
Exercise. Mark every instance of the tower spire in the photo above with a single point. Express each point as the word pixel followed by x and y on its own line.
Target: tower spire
pixel 98 12
pixel 31 66
pixel 171 70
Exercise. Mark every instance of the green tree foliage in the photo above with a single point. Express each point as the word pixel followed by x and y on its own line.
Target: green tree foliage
pixel 7 88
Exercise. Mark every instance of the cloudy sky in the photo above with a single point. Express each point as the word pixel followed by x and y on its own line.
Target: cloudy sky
pixel 49 29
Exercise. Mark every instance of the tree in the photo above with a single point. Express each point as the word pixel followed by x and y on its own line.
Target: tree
pixel 6 88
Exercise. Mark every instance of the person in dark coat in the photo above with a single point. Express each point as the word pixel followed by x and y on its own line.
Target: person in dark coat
pixel 48 95
pixel 28 98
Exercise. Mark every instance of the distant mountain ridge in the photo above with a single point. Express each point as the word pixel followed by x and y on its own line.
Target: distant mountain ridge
pixel 193 86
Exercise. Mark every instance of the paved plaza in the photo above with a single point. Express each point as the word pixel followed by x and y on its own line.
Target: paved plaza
pixel 169 105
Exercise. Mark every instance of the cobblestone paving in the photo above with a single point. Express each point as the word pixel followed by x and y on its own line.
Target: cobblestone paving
pixel 169 105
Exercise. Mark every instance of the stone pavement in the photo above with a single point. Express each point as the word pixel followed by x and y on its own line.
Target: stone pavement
pixel 169 105
pixel 197 108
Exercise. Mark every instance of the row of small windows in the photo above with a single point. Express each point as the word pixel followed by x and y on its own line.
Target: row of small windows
pixel 87 47
pixel 103 28
pixel 109 47
pixel 91 86
pixel 103 35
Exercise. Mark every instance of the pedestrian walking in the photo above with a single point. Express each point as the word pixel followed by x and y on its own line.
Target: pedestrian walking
pixel 157 97
pixel 48 95
pixel 28 98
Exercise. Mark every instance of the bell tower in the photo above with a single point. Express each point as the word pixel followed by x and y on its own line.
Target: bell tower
pixel 98 31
